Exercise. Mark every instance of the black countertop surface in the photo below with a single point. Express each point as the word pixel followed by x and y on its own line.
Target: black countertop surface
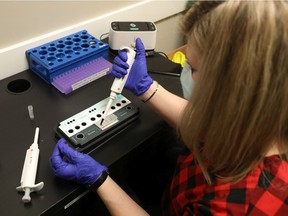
pixel 50 108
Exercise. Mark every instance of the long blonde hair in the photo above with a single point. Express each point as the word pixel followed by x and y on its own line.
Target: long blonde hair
pixel 239 105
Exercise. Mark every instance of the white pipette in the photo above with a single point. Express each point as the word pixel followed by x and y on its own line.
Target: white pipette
pixel 119 83
pixel 29 170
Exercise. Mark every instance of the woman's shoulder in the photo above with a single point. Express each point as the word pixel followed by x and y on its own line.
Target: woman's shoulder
pixel 267 184
pixel 272 172
pixel 276 166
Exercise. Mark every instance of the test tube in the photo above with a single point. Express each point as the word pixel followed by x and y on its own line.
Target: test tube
pixel 31 112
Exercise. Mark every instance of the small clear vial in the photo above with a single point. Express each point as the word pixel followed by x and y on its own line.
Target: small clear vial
pixel 31 112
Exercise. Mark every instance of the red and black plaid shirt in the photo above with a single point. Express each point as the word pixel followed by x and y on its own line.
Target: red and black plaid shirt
pixel 263 192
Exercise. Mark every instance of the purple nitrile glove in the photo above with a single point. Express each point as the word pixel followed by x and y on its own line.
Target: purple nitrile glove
pixel 139 80
pixel 76 166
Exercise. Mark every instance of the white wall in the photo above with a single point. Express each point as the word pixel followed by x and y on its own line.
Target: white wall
pixel 168 34
pixel 25 25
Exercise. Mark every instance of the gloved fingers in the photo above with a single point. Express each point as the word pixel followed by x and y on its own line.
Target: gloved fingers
pixel 118 71
pixel 122 54
pixel 55 163
pixel 58 165
pixel 56 157
pixel 72 155
pixel 140 49
pixel 120 62
pixel 120 66
pixel 60 168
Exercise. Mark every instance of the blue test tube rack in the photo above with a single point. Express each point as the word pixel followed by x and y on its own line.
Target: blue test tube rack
pixel 69 54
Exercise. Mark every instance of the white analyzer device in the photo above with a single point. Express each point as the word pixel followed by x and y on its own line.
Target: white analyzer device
pixel 124 33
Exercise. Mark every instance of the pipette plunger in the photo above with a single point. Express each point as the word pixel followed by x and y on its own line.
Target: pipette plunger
pixel 27 183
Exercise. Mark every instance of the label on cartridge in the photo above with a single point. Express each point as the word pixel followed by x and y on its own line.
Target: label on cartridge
pixel 89 79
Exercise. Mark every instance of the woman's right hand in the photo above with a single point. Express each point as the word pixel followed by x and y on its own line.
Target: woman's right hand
pixel 139 80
